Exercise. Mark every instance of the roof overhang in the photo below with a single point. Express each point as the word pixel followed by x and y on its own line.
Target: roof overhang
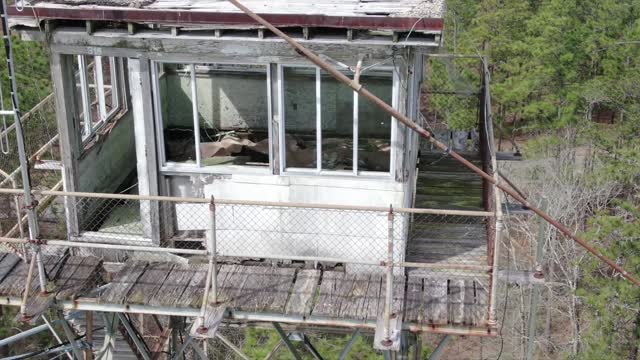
pixel 226 19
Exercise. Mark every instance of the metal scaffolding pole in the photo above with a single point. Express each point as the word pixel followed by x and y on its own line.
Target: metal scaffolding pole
pixel 30 204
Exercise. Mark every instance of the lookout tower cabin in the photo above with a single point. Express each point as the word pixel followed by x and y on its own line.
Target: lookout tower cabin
pixel 189 134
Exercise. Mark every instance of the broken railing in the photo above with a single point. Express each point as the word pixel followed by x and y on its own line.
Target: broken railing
pixel 438 245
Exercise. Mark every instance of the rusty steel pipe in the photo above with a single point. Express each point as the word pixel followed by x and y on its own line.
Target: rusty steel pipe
pixel 427 135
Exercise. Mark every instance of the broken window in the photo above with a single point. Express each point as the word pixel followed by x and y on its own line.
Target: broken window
pixel 300 126
pixel 213 114
pixel 98 90
pixel 328 127
pixel 374 125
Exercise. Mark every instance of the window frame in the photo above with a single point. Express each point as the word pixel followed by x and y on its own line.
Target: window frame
pixel 355 172
pixel 170 167
pixel 89 129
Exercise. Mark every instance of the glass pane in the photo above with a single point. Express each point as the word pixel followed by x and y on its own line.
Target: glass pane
pixel 300 117
pixel 79 109
pixel 108 67
pixel 337 124
pixel 93 90
pixel 233 111
pixel 374 126
pixel 177 112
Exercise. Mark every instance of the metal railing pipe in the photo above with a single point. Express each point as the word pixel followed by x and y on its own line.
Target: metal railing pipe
pixel 251 203
pixel 386 341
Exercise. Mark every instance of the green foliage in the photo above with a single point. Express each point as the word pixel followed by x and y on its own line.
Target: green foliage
pixel 552 61
pixel 613 303
pixel 32 73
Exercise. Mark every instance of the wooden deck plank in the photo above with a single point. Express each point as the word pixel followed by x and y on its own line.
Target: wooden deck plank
pixel 193 293
pixel 13 284
pixel 8 262
pixel 456 301
pixel 303 292
pixel 233 284
pixel 173 286
pixel 69 270
pixel 435 291
pixel 277 290
pixel 254 287
pixel 122 282
pixel 373 298
pixel 352 307
pixel 148 283
pixel 469 302
pixel 414 310
pixel 482 301
pixel 333 290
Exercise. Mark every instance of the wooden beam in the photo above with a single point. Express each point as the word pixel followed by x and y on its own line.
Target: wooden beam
pixel 143 126
pixel 63 76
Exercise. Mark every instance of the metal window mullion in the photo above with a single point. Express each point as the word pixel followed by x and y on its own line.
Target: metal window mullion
pixel 395 82
pixel 114 66
pixel 318 120
pixel 281 113
pixel 355 133
pixel 157 107
pixel 99 79
pixel 196 122
pixel 84 91
pixel 270 138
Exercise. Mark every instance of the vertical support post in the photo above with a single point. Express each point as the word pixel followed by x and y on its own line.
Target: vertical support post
pixel 88 318
pixel 318 120
pixel 196 118
pixel 140 87
pixel 211 284
pixel 213 252
pixel 535 291
pixel 27 288
pixel 62 74
pixel 32 215
pixel 389 293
